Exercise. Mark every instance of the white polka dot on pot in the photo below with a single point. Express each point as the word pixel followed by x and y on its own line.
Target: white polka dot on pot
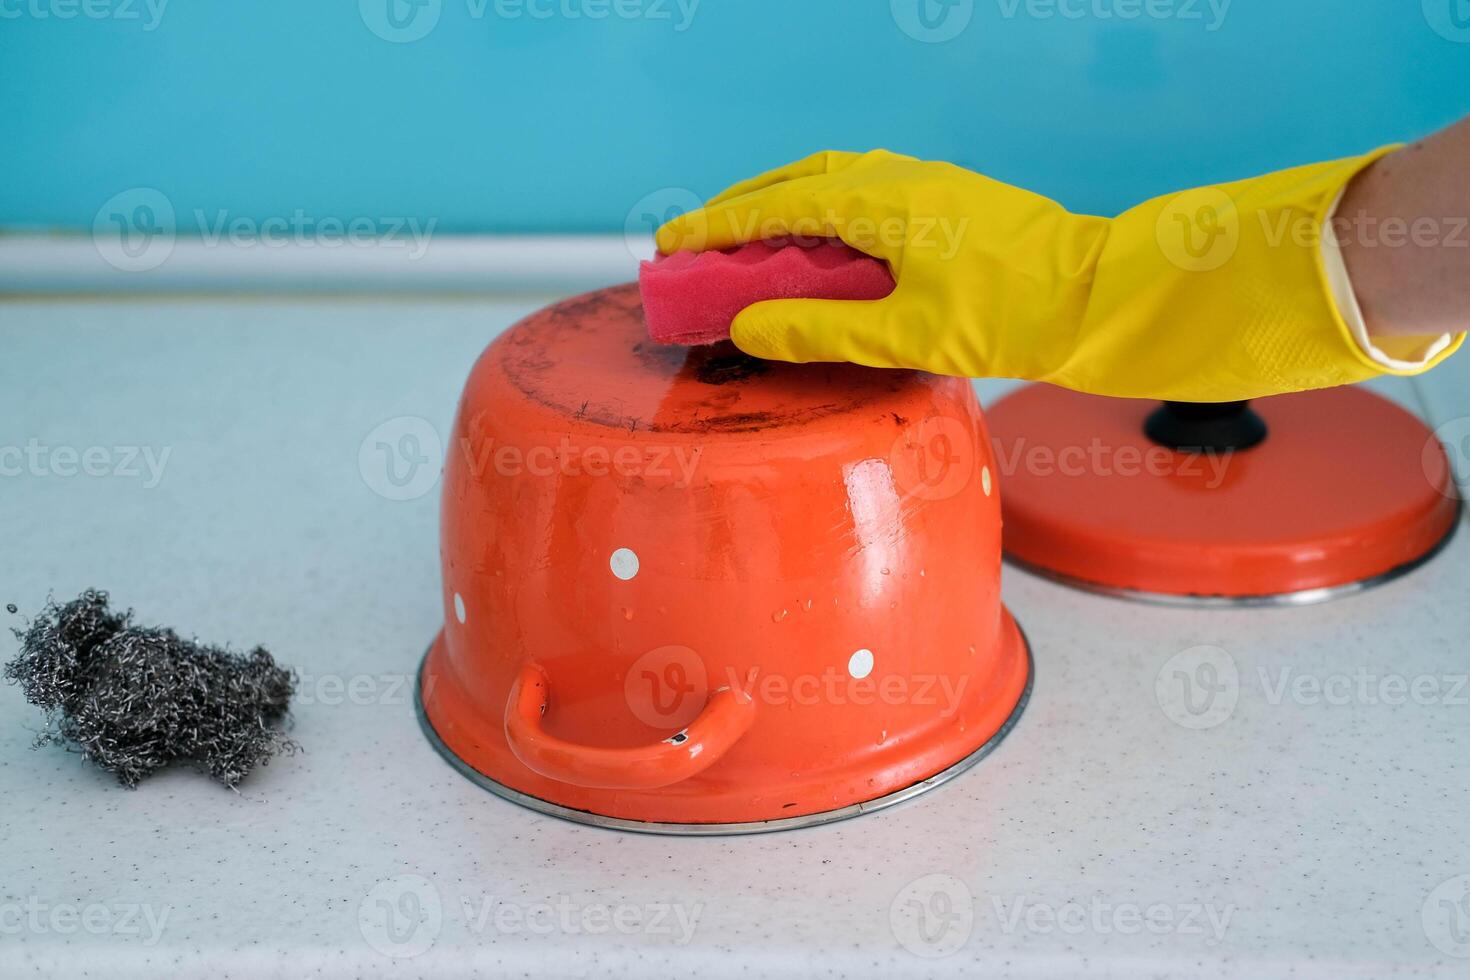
pixel 624 563
pixel 459 607
pixel 985 479
pixel 860 664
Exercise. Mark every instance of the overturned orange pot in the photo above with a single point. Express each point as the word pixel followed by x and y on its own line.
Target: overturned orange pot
pixel 688 591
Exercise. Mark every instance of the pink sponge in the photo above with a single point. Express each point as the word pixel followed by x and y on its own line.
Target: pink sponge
pixel 692 297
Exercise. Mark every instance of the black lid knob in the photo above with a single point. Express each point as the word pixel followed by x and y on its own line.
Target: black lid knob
pixel 1205 427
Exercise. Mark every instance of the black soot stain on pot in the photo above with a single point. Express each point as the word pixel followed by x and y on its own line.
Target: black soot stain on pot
pixel 671 388
pixel 714 364
pixel 727 364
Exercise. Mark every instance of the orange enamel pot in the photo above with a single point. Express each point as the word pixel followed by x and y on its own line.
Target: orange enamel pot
pixel 688 591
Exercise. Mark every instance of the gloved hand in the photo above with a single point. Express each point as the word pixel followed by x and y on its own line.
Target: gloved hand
pixel 1215 294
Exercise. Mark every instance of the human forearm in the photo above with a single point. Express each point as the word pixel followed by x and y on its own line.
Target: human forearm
pixel 1404 226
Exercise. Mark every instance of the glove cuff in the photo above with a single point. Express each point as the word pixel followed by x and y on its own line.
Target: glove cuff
pixel 1221 293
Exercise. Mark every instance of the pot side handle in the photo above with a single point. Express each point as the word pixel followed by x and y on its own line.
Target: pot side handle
pixel 727 716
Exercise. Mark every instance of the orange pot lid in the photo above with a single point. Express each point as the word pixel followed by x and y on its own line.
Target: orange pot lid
pixel 1347 489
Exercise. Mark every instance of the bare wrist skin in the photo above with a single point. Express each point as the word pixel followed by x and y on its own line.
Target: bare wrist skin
pixel 1404 225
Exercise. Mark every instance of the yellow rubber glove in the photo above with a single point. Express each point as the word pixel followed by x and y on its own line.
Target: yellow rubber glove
pixel 1215 294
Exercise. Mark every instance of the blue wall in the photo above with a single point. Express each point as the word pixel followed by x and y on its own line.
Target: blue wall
pixel 497 120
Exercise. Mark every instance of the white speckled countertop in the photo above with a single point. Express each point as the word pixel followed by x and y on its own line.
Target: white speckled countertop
pixel 1303 835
